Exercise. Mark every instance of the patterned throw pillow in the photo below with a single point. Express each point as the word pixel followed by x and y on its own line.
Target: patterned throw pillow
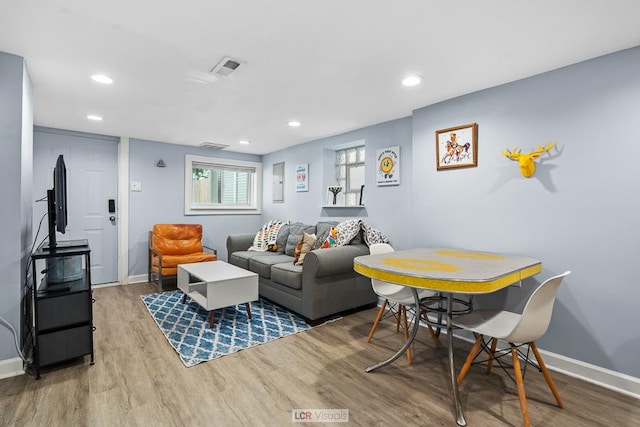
pixel 347 230
pixel 330 241
pixel 372 236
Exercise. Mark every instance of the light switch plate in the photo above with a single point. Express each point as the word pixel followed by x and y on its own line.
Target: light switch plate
pixel 136 186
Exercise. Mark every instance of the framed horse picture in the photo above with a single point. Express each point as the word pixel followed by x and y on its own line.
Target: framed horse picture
pixel 457 147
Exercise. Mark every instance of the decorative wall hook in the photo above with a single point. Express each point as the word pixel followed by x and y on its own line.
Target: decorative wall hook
pixel 161 164
pixel 526 161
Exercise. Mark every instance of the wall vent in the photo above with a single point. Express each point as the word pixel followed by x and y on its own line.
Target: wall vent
pixel 213 146
pixel 226 66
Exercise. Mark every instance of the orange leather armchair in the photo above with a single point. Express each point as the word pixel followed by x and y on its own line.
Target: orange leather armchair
pixel 173 244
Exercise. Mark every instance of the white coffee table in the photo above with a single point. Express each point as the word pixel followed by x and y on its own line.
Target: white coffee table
pixel 217 284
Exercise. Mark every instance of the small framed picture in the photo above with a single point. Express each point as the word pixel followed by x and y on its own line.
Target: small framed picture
pixel 457 147
pixel 302 177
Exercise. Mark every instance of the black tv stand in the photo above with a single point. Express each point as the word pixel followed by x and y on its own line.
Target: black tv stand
pixel 65 244
pixel 62 317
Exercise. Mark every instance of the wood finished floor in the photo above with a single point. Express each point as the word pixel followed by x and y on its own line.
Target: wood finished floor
pixel 138 380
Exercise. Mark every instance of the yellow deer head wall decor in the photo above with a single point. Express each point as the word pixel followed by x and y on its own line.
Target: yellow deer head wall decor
pixel 526 161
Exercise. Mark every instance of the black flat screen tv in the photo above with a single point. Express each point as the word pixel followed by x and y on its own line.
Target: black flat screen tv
pixel 57 202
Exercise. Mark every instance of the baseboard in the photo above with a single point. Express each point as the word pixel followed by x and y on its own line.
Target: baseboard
pixel 612 380
pixel 622 383
pixel 139 278
pixel 11 368
pixel 105 285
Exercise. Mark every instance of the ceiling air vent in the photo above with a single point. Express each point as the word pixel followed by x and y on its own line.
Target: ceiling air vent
pixel 213 146
pixel 226 67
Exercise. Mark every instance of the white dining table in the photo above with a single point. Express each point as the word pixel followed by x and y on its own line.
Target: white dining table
pixel 448 272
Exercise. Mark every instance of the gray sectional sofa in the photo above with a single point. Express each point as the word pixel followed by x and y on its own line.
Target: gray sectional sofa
pixel 325 284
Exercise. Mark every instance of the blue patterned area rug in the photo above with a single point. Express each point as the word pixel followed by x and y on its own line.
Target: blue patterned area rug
pixel 186 326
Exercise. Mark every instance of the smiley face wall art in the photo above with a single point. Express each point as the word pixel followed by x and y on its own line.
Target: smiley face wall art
pixel 388 172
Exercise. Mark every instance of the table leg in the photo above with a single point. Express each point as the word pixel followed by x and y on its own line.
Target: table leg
pixel 452 368
pixel 407 344
pixel 248 306
pixel 211 319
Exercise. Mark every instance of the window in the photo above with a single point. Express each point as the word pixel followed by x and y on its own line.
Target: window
pixel 221 186
pixel 350 173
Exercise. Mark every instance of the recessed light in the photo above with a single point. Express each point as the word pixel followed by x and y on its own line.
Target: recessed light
pixel 412 81
pixel 244 142
pixel 94 117
pixel 294 123
pixel 101 78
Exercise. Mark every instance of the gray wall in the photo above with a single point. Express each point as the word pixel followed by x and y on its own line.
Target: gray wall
pixel 386 208
pixel 579 211
pixel 162 199
pixel 16 121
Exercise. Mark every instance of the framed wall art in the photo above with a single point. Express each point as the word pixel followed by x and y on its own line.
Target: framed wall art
pixel 457 147
pixel 302 177
pixel 388 166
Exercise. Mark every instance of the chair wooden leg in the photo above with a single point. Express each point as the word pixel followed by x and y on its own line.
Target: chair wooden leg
pixel 470 357
pixel 434 337
pixel 375 322
pixel 405 326
pixel 546 374
pixel 520 383
pixel 492 354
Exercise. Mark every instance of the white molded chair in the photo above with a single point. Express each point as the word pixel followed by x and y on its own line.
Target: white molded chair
pixel 518 330
pixel 396 299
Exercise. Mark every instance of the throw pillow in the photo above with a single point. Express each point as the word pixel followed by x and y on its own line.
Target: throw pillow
pixel 330 241
pixel 283 234
pixel 266 236
pixel 372 236
pixel 347 230
pixel 303 248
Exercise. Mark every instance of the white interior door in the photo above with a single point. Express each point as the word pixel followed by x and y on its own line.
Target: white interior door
pixel 92 180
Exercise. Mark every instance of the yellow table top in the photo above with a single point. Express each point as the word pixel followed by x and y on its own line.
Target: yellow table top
pixel 448 270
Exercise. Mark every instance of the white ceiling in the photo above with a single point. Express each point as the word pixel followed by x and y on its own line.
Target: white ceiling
pixel 334 65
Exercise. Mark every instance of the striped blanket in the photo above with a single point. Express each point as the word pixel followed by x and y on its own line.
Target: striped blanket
pixel 267 235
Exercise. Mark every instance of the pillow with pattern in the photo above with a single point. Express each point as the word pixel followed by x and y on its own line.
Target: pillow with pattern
pixel 330 241
pixel 372 236
pixel 347 230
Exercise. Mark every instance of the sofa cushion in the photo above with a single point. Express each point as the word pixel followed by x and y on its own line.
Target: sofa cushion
pixel 287 274
pixel 295 234
pixel 241 258
pixel 347 230
pixel 262 264
pixel 283 234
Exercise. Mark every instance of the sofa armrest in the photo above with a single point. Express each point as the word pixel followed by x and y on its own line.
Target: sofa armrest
pixel 239 242
pixel 327 262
